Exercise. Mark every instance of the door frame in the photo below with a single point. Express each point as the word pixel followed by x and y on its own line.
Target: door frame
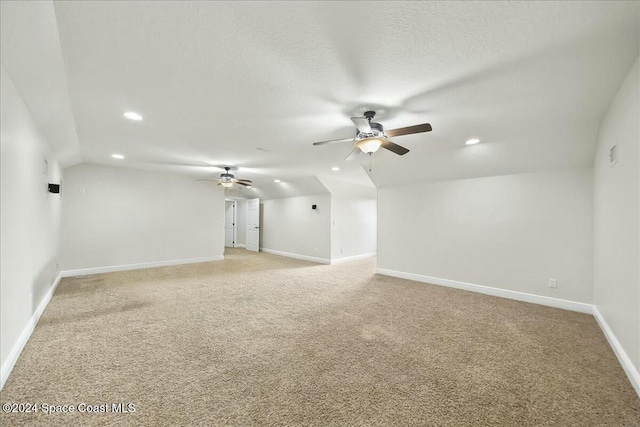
pixel 235 218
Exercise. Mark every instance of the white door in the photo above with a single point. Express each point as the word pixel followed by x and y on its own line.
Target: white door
pixel 229 223
pixel 253 225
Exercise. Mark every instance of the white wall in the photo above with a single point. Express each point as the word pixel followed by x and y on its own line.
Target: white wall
pixel 354 223
pixel 116 216
pixel 291 226
pixel 512 232
pixel 30 222
pixel 353 218
pixel 617 218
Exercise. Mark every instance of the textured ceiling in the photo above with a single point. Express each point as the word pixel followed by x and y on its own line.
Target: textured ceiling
pixel 253 84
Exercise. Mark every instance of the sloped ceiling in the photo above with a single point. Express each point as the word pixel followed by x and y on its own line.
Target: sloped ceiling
pixel 302 186
pixel 31 54
pixel 253 84
pixel 354 184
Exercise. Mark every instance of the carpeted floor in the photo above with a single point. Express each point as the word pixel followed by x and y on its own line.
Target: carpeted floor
pixel 259 339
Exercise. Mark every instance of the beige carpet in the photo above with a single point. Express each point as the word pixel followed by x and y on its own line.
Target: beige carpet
pixel 259 339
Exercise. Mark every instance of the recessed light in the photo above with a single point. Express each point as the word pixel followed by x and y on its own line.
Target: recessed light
pixel 276 180
pixel 335 168
pixel 131 115
pixel 117 156
pixel 472 141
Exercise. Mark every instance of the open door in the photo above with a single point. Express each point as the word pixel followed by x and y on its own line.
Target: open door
pixel 253 225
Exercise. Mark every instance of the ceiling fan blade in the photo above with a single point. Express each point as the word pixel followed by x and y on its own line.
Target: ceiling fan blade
pixel 362 123
pixel 354 154
pixel 333 141
pixel 246 184
pixel 425 127
pixel 243 180
pixel 398 149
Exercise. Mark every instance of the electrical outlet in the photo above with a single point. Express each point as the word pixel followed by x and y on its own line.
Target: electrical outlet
pixel 553 283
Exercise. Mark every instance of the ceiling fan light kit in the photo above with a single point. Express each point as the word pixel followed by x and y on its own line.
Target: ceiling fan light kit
pixel 369 145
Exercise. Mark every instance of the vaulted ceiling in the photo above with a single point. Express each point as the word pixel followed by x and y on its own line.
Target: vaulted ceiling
pixel 254 84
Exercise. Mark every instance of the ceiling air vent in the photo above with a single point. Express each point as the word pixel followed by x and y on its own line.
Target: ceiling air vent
pixel 613 155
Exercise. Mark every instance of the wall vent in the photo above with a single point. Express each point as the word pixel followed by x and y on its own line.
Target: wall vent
pixel 613 155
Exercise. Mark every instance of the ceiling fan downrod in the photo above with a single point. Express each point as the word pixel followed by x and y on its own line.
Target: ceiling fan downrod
pixel 369 115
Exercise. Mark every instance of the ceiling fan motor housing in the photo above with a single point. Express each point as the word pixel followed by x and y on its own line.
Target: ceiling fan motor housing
pixel 377 131
pixel 376 127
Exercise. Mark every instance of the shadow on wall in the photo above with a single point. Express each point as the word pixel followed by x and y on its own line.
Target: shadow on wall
pixel 42 283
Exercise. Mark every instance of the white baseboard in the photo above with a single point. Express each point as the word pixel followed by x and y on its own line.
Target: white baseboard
pixel 12 358
pixel 316 259
pixel 623 357
pixel 297 256
pixel 352 258
pixel 504 293
pixel 126 267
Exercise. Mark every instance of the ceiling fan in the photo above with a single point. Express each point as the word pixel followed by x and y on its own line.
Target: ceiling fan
pixel 227 179
pixel 371 135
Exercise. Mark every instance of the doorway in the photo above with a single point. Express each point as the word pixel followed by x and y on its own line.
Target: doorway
pixel 230 221
pixel 253 225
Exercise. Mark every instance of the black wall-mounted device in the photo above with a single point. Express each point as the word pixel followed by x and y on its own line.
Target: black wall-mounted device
pixel 314 206
pixel 54 188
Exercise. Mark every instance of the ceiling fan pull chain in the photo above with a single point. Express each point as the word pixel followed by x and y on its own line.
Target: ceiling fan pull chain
pixel 370 161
